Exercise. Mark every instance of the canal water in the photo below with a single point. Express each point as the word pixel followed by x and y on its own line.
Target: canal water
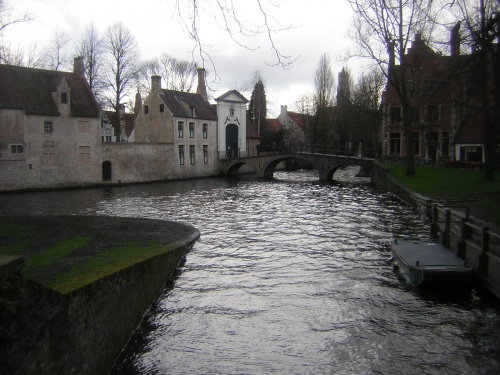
pixel 290 276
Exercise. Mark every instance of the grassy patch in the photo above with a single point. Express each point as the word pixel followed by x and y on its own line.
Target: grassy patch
pixel 446 182
pixel 48 256
pixel 106 263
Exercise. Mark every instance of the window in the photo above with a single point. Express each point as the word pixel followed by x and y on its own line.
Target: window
pixel 395 115
pixel 432 114
pixel 47 127
pixel 146 109
pixel 48 154
pixel 84 155
pixel 205 154
pixel 415 141
pixel 64 97
pixel 395 144
pixel 191 155
pixel 205 131
pixel 106 138
pixel 162 107
pixel 181 154
pixel 180 129
pixel 16 149
pixel 231 111
pixel 191 130
pixel 432 138
pixel 445 144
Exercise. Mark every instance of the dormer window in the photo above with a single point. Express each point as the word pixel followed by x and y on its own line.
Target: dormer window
pixel 193 112
pixel 162 107
pixel 231 111
pixel 64 97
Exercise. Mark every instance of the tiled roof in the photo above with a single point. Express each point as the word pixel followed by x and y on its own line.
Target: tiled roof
pixel 252 131
pixel 31 90
pixel 180 104
pixel 300 119
pixel 129 121
pixel 273 125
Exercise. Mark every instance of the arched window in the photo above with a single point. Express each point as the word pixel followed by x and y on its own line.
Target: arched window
pixel 191 130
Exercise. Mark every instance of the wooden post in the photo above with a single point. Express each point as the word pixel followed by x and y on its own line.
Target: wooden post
pixel 445 236
pixel 461 245
pixel 485 245
pixel 434 219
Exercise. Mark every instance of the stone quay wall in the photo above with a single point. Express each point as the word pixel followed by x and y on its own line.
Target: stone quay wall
pixel 82 332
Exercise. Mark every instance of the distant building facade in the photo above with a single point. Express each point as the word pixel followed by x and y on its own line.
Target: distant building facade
pixel 185 124
pixel 50 128
pixel 232 115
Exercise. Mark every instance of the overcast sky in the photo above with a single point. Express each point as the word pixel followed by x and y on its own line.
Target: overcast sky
pixel 318 26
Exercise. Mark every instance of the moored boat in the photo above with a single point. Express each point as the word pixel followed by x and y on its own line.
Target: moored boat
pixel 427 262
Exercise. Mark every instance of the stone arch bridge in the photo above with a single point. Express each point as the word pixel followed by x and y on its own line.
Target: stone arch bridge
pixel 326 165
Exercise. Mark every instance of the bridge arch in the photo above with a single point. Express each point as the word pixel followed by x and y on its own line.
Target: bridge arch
pixel 270 167
pixel 326 165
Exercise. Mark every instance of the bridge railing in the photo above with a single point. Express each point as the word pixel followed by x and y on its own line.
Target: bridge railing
pixel 308 149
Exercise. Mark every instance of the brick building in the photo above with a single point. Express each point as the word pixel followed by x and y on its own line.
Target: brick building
pixel 445 107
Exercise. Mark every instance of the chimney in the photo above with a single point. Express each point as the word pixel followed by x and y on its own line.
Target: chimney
pixel 78 66
pixel 202 88
pixel 155 83
pixel 283 114
pixel 455 40
pixel 138 103
pixel 392 60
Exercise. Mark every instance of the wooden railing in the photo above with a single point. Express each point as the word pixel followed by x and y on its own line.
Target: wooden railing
pixel 471 239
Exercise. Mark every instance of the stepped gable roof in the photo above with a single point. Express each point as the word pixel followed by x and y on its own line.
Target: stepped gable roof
pixel 31 90
pixel 181 103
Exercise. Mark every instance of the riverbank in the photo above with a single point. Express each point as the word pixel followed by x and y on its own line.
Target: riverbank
pixel 83 287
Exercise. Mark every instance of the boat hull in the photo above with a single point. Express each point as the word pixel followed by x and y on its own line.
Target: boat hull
pixel 424 263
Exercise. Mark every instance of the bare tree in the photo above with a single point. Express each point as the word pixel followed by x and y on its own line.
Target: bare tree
pixel 121 67
pixel 482 25
pixel 56 52
pixel 91 47
pixel 324 83
pixel 29 57
pixel 233 18
pixel 382 30
pixel 368 90
pixel 7 18
pixel 305 106
pixel 179 75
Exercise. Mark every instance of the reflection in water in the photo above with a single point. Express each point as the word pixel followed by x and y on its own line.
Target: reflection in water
pixel 290 276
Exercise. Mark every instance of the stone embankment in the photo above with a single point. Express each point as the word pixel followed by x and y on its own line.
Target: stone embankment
pixel 469 238
pixel 82 331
